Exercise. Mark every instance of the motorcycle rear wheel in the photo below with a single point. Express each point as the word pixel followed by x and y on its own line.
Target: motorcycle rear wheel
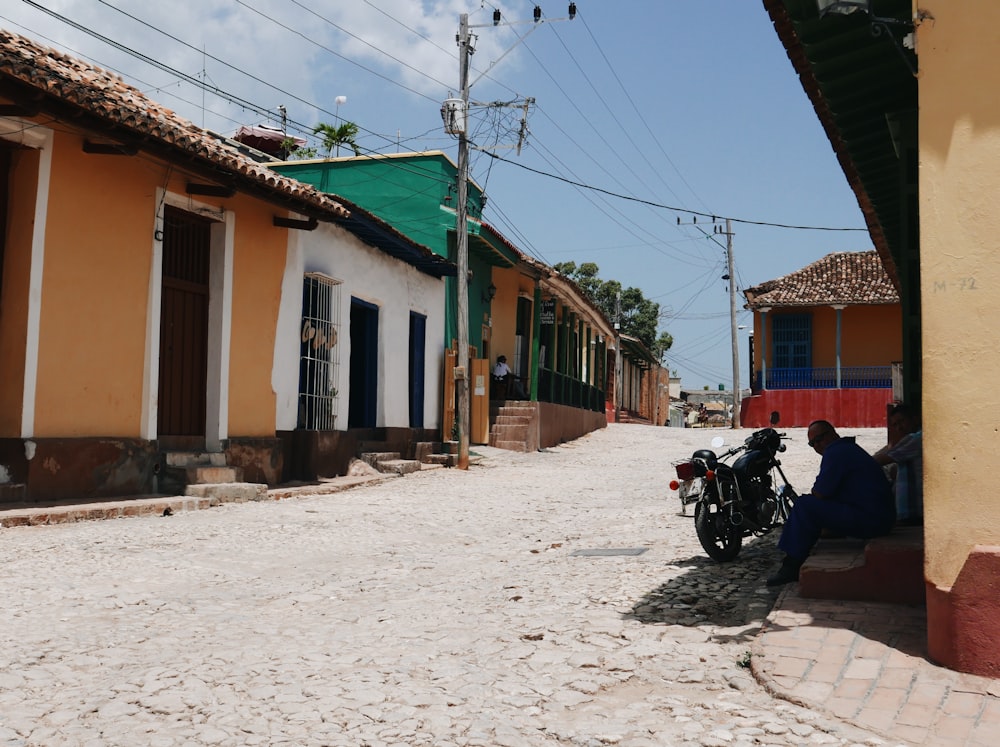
pixel 721 540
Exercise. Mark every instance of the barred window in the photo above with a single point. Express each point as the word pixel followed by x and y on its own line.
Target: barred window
pixel 319 353
pixel 792 335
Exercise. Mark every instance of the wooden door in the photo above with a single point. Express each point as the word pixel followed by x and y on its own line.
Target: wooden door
pixel 183 324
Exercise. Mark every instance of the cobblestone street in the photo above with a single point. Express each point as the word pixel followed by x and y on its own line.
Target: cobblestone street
pixel 443 608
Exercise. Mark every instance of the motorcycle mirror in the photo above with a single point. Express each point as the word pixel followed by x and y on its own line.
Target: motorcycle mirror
pixel 718 442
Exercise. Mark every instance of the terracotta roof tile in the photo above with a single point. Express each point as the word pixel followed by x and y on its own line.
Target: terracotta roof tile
pixel 127 110
pixel 849 278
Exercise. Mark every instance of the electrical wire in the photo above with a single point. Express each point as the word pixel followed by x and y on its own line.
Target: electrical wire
pixel 674 208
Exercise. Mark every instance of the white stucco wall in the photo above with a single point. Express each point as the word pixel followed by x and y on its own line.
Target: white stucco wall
pixel 396 288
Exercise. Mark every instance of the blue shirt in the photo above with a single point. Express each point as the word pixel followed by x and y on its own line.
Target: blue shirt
pixel 849 475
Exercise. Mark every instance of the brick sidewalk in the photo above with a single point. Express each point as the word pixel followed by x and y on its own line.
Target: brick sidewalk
pixel 866 663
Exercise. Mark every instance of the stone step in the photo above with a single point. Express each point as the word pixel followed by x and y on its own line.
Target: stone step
pixel 194 458
pixel 447 460
pixel 424 449
pixel 207 475
pixel 512 420
pixel 886 569
pixel 526 411
pixel 398 466
pixel 228 492
pixel 511 431
pixel 508 445
pixel 373 458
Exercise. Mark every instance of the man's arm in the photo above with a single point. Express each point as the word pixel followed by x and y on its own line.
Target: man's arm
pixel 882 456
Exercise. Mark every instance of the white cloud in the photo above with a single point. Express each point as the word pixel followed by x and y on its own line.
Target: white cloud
pixel 393 59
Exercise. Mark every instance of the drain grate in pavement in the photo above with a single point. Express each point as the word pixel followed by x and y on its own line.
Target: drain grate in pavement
pixel 605 551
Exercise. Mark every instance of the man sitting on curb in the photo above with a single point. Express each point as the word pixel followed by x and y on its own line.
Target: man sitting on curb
pixel 851 497
pixel 905 451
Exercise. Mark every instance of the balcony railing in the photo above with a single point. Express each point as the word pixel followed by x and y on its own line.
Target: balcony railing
pixel 560 389
pixel 851 377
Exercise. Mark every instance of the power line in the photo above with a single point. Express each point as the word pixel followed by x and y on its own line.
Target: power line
pixel 714 217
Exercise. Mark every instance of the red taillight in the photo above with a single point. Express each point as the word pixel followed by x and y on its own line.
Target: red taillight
pixel 710 475
pixel 686 470
pixel 674 484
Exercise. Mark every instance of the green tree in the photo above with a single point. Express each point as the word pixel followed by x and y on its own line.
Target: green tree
pixel 333 137
pixel 639 316
pixel 662 345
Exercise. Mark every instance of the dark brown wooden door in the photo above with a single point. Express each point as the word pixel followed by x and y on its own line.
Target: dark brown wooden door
pixel 184 324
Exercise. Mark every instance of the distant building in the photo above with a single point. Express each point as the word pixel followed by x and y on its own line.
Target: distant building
pixel 825 338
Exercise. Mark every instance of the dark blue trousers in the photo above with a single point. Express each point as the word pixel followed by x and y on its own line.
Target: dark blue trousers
pixel 811 515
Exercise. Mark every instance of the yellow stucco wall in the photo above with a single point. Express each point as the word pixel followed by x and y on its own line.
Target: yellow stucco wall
pixel 960 279
pixel 96 283
pixel 504 313
pixel 14 294
pixel 93 322
pixel 869 335
pixel 258 266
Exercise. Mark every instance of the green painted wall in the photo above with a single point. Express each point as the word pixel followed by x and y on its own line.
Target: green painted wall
pixel 415 193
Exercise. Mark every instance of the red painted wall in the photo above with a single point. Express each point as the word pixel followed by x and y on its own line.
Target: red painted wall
pixel 848 408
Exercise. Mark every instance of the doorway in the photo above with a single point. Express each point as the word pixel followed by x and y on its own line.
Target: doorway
pixel 183 362
pixel 418 357
pixel 362 409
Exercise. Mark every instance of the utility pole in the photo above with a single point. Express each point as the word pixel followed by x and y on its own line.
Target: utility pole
pixel 732 323
pixel 731 277
pixel 465 50
pixel 619 368
pixel 455 114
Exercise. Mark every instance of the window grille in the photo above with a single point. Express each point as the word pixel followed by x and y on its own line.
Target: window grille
pixel 792 335
pixel 319 353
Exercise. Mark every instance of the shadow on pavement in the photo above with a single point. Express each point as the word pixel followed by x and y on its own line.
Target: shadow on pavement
pixel 707 592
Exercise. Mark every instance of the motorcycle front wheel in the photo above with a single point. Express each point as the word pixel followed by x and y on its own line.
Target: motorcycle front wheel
pixel 721 540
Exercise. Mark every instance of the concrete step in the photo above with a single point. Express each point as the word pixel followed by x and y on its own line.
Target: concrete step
pixel 526 411
pixel 231 492
pixel 202 475
pixel 508 445
pixel 510 431
pixel 183 468
pixel 512 420
pixel 398 466
pixel 886 569
pixel 194 458
pixel 373 458
pixel 447 460
pixel 424 449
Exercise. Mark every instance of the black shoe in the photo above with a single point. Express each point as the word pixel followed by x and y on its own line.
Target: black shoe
pixel 787 573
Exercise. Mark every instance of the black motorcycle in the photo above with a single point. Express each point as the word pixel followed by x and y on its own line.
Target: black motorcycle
pixel 738 499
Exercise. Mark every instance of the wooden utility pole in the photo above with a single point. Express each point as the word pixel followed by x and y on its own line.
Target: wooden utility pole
pixel 462 249
pixel 457 122
pixel 732 324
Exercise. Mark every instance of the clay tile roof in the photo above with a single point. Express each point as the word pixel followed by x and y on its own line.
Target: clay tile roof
pixel 849 278
pixel 38 76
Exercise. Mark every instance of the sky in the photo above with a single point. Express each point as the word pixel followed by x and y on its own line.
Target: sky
pixel 647 116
